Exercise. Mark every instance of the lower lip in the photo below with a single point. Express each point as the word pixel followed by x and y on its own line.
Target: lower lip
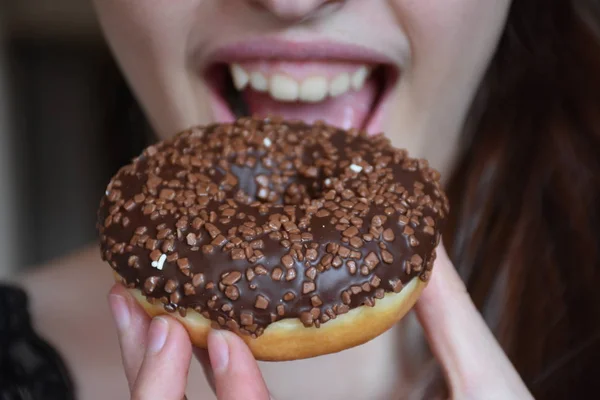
pixel 222 112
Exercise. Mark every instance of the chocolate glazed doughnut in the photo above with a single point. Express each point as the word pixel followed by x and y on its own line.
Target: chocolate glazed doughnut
pixel 303 239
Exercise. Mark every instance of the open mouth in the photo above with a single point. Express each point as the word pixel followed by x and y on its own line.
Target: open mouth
pixel 347 94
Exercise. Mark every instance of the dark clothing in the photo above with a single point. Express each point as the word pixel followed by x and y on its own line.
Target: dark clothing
pixel 30 369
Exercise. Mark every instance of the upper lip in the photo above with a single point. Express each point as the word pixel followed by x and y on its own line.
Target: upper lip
pixel 277 49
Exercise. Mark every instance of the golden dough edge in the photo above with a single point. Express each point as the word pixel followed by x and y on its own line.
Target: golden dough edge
pixel 289 339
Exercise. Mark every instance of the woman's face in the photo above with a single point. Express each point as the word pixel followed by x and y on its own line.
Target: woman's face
pixel 405 67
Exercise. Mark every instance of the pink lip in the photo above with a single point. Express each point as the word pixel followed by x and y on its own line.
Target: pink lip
pixel 268 48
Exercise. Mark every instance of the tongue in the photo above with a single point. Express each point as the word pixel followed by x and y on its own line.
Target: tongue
pixel 349 110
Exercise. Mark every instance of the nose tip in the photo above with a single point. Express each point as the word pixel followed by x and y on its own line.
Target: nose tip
pixel 293 9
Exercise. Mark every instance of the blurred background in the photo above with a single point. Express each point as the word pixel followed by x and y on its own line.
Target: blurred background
pixel 67 123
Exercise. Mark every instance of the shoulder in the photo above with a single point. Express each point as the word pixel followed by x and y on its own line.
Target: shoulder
pixel 67 303
pixel 79 276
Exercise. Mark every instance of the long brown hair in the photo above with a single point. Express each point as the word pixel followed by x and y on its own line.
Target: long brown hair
pixel 525 232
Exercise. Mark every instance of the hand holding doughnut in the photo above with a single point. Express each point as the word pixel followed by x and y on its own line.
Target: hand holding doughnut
pixel 302 239
pixel 474 364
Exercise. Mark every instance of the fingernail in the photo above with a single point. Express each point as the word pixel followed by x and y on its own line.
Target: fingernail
pixel 218 351
pixel 120 311
pixel 157 334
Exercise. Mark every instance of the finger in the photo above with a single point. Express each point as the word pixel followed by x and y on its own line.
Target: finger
pixel 132 326
pixel 164 371
pixel 235 370
pixel 204 360
pixel 458 335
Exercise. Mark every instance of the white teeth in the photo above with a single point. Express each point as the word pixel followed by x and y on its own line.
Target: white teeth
pixel 359 78
pixel 240 77
pixel 339 85
pixel 283 88
pixel 314 89
pixel 259 82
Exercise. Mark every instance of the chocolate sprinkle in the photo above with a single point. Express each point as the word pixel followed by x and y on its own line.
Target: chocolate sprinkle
pixel 231 220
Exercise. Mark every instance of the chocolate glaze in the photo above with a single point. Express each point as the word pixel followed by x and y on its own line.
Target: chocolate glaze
pixel 305 221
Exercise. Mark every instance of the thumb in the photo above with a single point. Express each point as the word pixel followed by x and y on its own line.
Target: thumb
pixel 459 337
pixel 236 372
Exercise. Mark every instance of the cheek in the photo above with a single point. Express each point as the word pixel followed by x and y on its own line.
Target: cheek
pixel 451 42
pixel 138 29
pixel 150 39
pixel 451 38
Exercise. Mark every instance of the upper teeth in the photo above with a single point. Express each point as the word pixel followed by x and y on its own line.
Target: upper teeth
pixel 257 81
pixel 240 77
pixel 285 88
